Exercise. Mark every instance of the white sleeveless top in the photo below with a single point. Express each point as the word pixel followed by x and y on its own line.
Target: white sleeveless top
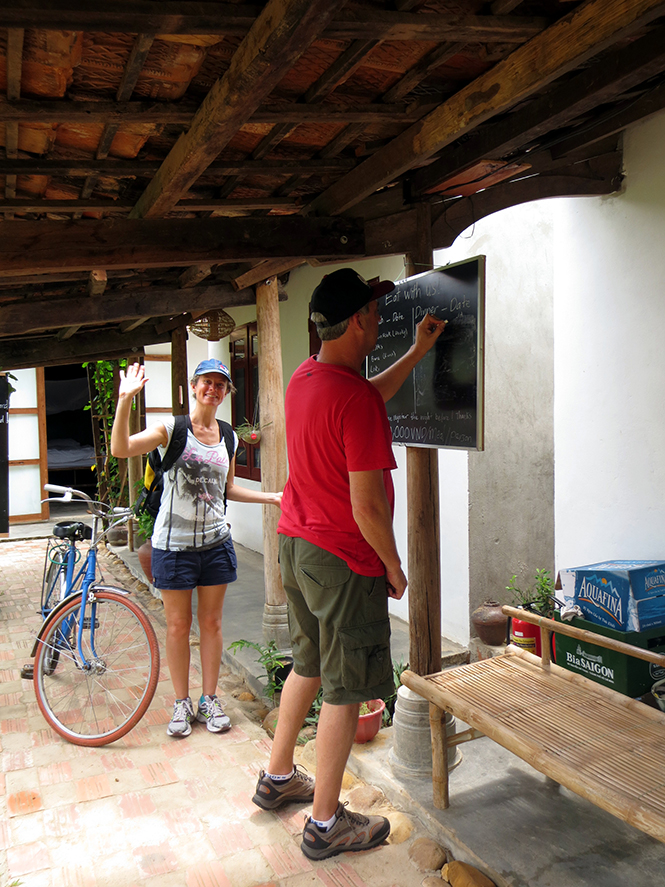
pixel 191 513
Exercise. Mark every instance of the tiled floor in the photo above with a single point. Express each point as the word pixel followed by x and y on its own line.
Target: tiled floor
pixel 146 809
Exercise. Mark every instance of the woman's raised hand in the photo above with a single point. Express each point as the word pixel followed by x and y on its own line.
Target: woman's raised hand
pixel 132 381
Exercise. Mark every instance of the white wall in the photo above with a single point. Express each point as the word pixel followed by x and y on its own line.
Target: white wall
pixel 610 363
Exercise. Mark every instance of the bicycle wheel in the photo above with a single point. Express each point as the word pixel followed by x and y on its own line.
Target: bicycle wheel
pixel 98 701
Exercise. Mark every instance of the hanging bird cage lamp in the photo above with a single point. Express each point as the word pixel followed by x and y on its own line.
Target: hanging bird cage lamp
pixel 213 326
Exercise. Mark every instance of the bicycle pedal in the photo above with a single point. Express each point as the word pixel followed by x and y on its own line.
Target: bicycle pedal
pixel 87 622
pixel 28 671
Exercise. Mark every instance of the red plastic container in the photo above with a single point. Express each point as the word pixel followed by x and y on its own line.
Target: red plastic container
pixel 370 724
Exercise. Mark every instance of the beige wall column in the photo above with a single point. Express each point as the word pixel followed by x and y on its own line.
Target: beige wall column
pixel 273 455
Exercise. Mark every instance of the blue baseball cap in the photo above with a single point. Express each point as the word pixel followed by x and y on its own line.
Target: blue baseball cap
pixel 212 366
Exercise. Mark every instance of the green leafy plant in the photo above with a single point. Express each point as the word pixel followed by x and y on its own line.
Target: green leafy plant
pixel 111 474
pixel 538 596
pixel 144 521
pixel 270 658
pixel 250 432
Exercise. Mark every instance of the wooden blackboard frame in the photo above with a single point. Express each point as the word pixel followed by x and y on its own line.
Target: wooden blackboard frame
pixel 441 405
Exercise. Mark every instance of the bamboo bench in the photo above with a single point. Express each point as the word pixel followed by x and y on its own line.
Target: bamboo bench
pixel 604 746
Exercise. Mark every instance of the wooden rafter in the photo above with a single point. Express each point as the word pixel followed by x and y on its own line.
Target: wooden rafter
pixel 568 43
pixel 30 166
pixel 284 29
pixel 600 83
pixel 31 314
pixel 80 245
pixel 355 23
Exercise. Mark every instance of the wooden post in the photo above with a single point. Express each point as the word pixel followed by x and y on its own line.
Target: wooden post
pixel 179 380
pixel 273 454
pixel 422 485
pixel 437 721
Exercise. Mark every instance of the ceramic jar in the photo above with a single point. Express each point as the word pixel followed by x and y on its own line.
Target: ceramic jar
pixel 489 623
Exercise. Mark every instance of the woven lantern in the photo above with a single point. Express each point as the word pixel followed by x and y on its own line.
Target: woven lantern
pixel 213 326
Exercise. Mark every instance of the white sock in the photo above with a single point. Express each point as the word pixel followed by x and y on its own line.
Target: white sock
pixel 281 778
pixel 325 826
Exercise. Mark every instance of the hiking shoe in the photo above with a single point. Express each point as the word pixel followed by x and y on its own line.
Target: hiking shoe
pixel 269 794
pixel 351 831
pixel 212 714
pixel 180 724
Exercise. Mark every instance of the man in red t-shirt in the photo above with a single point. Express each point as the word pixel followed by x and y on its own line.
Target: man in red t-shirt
pixel 338 555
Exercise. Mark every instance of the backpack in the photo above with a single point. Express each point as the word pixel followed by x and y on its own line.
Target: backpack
pixel 150 496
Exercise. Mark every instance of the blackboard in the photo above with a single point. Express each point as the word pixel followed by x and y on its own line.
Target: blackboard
pixel 441 403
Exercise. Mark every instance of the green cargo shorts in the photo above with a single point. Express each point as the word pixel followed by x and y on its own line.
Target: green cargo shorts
pixel 338 622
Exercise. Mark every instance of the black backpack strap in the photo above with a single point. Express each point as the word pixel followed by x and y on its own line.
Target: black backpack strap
pixel 226 433
pixel 177 443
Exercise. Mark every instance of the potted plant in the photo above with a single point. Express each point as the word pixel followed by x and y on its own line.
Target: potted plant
pixel 277 664
pixel 250 432
pixel 370 719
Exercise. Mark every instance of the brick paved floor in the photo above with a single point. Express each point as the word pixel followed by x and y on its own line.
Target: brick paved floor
pixel 146 809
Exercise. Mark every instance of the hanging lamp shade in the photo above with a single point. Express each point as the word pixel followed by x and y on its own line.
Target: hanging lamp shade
pixel 213 326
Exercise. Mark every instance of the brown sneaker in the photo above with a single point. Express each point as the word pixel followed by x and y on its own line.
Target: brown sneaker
pixel 271 794
pixel 351 831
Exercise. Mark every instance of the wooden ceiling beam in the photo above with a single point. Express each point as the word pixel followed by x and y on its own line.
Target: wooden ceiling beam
pixel 68 111
pixel 171 17
pixel 30 205
pixel 600 83
pixel 40 351
pixel 571 41
pixel 51 246
pixel 32 166
pixel 281 33
pixel 32 313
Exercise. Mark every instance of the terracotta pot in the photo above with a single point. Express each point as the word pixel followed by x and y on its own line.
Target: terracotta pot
pixel 490 623
pixel 145 558
pixel 370 724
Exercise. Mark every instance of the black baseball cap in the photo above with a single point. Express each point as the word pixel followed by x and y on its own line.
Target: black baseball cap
pixel 342 293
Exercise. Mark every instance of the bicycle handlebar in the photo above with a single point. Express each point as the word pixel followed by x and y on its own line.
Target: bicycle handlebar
pixel 97 508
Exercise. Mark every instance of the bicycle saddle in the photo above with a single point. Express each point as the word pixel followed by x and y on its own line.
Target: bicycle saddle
pixel 72 530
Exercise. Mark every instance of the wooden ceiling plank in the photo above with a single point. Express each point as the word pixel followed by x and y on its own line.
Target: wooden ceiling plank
pixel 568 43
pixel 84 345
pixel 419 72
pixel 359 22
pixel 30 166
pixel 613 123
pixel 14 63
pixel 28 205
pixel 504 7
pixel 51 246
pixel 608 78
pixel 340 70
pixel 283 31
pixel 264 270
pixel 362 23
pixel 194 275
pixel 33 313
pixel 119 113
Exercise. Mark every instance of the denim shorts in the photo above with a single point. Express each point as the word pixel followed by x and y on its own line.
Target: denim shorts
pixel 187 569
pixel 338 621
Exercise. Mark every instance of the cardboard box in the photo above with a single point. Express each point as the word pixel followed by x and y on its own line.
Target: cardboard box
pixel 622 595
pixel 625 674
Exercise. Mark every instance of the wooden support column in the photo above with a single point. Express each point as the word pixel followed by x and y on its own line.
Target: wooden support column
pixel 422 480
pixel 273 454
pixel 419 731
pixel 179 380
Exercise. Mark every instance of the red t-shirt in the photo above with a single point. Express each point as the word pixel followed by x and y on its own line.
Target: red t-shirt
pixel 336 422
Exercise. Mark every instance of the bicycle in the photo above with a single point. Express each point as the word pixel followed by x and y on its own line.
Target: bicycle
pixel 96 657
